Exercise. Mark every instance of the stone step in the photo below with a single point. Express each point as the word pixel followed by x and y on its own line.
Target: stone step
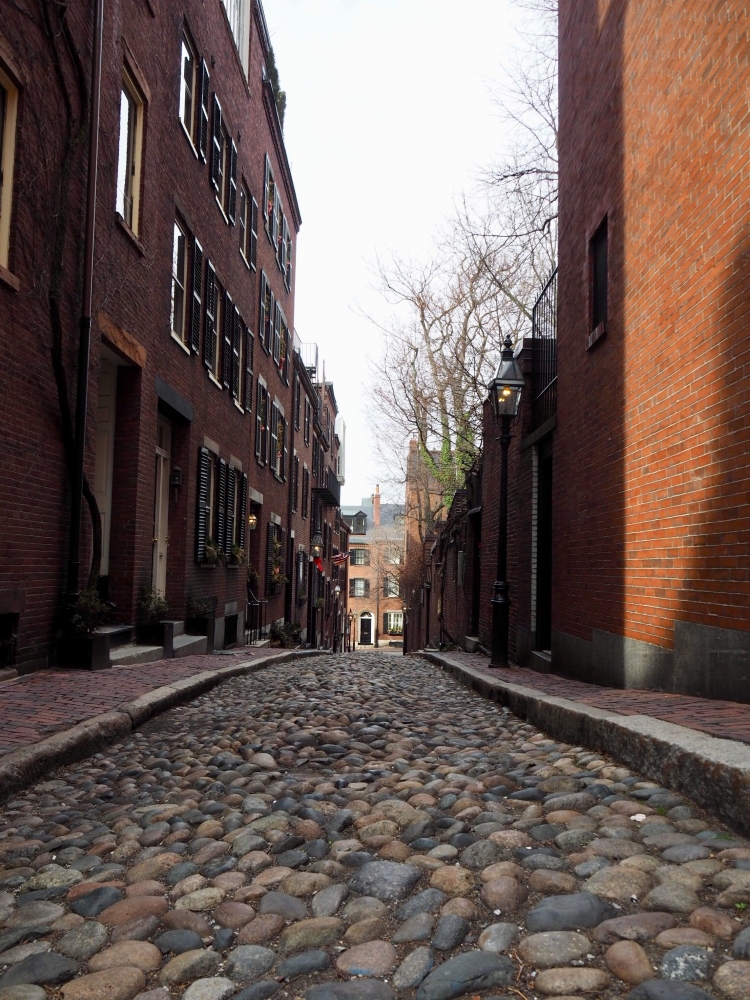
pixel 189 645
pixel 7 674
pixel 541 661
pixel 121 656
pixel 118 635
pixel 259 643
pixel 179 627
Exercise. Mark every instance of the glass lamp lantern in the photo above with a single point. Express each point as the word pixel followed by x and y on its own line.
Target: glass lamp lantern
pixel 506 387
pixel 316 546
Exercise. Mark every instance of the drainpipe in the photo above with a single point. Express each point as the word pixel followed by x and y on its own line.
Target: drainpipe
pixel 84 343
pixel 289 600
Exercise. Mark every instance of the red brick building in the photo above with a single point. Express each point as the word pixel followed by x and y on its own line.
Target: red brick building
pixel 629 521
pixel 192 414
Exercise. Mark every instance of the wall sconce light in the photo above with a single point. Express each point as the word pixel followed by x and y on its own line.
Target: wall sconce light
pixel 252 522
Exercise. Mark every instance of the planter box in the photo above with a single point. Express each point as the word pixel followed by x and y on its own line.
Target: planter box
pixel 87 652
pixel 204 625
pixel 158 634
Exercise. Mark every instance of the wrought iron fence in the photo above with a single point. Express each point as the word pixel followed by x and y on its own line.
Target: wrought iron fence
pixel 544 356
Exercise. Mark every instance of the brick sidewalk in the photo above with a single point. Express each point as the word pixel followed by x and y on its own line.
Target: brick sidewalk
pixel 40 704
pixel 727 720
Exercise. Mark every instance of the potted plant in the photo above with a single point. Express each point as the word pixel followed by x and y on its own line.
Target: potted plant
pixel 211 556
pixel 239 556
pixel 286 635
pixel 81 645
pixel 151 629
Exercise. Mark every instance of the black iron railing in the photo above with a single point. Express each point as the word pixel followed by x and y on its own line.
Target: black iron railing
pixel 544 356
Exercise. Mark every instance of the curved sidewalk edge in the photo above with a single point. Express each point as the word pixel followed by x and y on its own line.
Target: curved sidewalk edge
pixel 714 773
pixel 22 767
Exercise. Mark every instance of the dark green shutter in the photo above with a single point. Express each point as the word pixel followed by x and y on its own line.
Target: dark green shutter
pixel 209 329
pixel 204 98
pixel 227 338
pixel 385 622
pixel 221 504
pixel 216 150
pixel 232 206
pixel 202 506
pixel 242 510
pixel 229 527
pixel 249 350
pixel 271 535
pixel 195 315
pixel 237 334
pixel 253 233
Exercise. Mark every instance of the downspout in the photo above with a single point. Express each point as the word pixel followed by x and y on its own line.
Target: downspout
pixel 84 343
pixel 296 386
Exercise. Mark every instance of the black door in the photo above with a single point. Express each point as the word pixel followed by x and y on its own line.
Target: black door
pixel 365 631
pixel 544 548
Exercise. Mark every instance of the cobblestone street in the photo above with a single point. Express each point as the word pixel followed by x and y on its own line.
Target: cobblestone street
pixel 363 827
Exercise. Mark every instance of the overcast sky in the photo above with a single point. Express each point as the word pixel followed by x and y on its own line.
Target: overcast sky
pixel 390 116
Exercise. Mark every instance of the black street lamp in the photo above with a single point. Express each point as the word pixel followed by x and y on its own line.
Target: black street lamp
pixel 505 393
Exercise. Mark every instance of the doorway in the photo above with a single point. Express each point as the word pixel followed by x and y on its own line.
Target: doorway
pixel 544 548
pixel 105 456
pixel 161 505
pixel 365 629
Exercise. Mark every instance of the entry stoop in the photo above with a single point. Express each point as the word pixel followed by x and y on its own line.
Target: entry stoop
pixel 122 656
pixel 189 645
pixel 541 661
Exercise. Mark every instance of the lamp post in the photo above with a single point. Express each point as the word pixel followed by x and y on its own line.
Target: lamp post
pixel 505 395
pixel 336 595
pixel 352 640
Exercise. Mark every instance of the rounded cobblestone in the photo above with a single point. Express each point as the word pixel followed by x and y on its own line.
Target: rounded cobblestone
pixel 370 815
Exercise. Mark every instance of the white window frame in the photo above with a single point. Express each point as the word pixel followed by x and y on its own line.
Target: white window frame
pixel 8 148
pixel 189 121
pixel 129 152
pixel 238 18
pixel 395 622
pixel 180 281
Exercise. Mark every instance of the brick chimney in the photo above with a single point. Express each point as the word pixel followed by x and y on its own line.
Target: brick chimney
pixel 376 507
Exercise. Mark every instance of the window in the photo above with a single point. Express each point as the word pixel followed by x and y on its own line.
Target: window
pixel 393 556
pixel 275 559
pixel 179 282
pixel 266 314
pixel 190 96
pixel 277 453
pixel 598 257
pixel 305 491
pixel 359 587
pixel 239 24
pixel 359 524
pixel 269 202
pixel 297 402
pixel 8 110
pixel 247 219
pixel 393 622
pixel 360 557
pixel 295 482
pixel 308 416
pixel 315 458
pixel 219 314
pixel 129 154
pixel 249 367
pixel 238 340
pixel 288 268
pixel 280 341
pixel 261 423
pixel 390 586
pixel 223 164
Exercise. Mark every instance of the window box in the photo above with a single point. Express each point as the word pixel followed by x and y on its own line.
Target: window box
pixel 88 652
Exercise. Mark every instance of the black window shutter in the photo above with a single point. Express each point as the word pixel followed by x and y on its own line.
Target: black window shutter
pixel 258 420
pixel 266 178
pixel 229 528
pixel 367 588
pixel 288 275
pixel 262 311
pixel 232 206
pixel 249 348
pixel 295 483
pixel 227 337
pixel 202 506
pixel 274 425
pixel 195 319
pixel 236 351
pixel 277 334
pixel 351 588
pixel 221 504
pixel 281 536
pixel 209 331
pixel 385 622
pixel 269 558
pixel 253 233
pixel 203 127
pixel 242 510
pixel 216 149
pixel 285 451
